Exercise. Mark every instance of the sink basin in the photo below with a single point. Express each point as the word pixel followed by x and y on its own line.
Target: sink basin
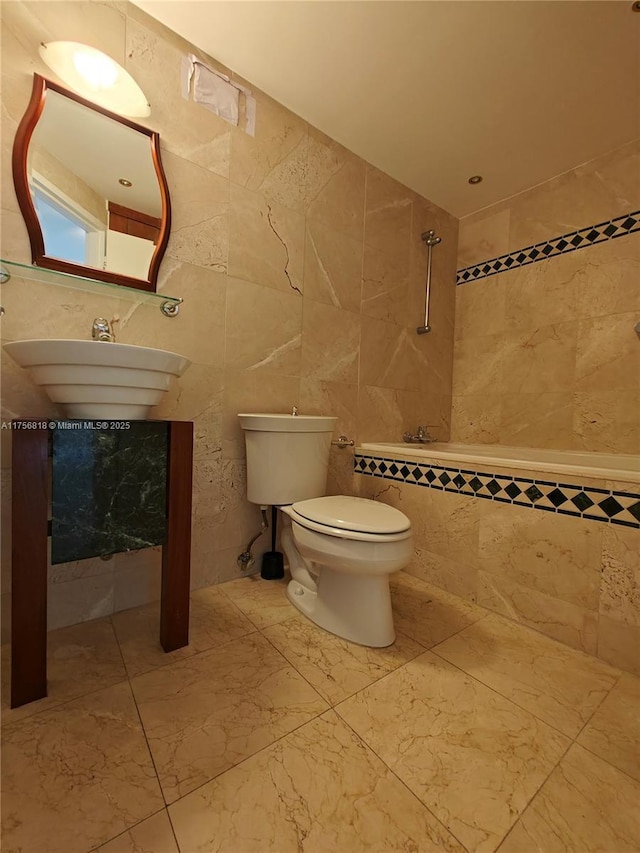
pixel 96 379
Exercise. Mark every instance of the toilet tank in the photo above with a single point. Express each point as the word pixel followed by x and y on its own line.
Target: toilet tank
pixel 287 457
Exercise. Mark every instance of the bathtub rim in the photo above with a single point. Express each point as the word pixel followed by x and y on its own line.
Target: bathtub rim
pixel 507 457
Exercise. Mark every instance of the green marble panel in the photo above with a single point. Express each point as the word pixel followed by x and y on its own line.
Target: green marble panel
pixel 109 488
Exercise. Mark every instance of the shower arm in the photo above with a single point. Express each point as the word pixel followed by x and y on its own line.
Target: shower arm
pixel 428 237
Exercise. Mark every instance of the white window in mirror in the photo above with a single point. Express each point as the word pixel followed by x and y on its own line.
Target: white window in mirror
pixel 69 231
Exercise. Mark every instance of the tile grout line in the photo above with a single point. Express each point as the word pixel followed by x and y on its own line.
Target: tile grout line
pixel 262 749
pixel 117 641
pixel 127 676
pixel 573 742
pixel 459 631
pixel 247 757
pixel 173 830
pixel 537 791
pixel 330 708
pixel 333 707
pixel 253 630
pixel 606 761
pixel 513 701
pixel 246 616
pixel 315 689
pixel 155 770
pixel 395 775
pixel 421 801
pixel 517 820
pixel 142 727
pixel 286 734
pixel 124 831
pixel 64 702
pixel 186 658
pixel 146 740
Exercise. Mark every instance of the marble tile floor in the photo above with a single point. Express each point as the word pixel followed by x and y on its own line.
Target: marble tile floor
pixel 269 735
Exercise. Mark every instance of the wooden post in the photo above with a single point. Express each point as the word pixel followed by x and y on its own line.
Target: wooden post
pixel 29 525
pixel 176 553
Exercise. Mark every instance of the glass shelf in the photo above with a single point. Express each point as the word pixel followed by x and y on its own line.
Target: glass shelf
pixel 169 305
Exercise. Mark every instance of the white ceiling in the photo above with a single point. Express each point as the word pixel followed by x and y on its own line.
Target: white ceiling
pixel 434 91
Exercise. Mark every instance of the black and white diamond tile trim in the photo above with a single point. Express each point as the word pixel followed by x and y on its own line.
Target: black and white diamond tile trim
pixel 618 227
pixel 573 499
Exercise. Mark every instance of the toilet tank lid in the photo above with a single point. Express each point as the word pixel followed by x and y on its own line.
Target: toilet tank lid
pixel 265 422
pixel 357 514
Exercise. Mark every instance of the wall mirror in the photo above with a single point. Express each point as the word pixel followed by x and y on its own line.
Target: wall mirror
pixel 91 189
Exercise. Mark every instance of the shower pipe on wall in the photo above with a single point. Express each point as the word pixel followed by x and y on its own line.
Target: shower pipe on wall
pixel 428 237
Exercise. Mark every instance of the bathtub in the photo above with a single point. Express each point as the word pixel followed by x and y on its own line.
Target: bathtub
pixel 604 466
pixel 593 486
pixel 548 538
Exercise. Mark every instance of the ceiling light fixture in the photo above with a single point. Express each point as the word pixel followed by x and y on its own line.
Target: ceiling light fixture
pixel 125 182
pixel 475 179
pixel 635 7
pixel 96 77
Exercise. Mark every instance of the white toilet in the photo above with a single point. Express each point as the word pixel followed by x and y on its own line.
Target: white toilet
pixel 341 550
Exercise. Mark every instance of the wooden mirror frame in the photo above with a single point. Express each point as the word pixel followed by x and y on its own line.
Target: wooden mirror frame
pixel 21 182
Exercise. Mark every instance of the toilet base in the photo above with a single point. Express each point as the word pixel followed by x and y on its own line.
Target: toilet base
pixel 354 607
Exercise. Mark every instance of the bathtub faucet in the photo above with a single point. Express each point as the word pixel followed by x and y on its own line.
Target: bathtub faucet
pixel 421 437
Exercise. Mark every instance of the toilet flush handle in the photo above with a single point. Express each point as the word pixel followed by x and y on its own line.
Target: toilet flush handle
pixel 343 442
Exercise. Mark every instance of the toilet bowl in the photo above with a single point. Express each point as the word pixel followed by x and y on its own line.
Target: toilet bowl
pixel 341 551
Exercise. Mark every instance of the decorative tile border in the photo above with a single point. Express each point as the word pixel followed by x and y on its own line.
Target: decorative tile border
pixel 612 507
pixel 618 227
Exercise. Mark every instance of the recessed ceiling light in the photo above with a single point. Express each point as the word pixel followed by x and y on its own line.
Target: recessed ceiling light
pixel 476 179
pixel 635 7
pixel 125 182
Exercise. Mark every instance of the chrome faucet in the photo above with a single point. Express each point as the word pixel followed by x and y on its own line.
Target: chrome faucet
pixel 101 330
pixel 421 437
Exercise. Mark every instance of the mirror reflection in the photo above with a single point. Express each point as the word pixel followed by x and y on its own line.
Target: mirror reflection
pixel 94 187
pixel 91 188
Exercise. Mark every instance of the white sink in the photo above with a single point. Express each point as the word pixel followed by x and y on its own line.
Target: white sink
pixel 99 379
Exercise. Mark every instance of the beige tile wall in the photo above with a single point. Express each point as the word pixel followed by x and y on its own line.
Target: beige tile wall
pixel 572 579
pixel 302 271
pixel 546 355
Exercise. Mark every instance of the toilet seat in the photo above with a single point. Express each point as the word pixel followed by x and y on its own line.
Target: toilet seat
pixel 346 517
pixel 340 577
